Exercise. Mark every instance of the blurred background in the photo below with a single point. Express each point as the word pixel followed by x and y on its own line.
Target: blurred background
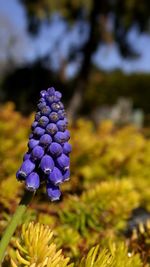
pixel 97 52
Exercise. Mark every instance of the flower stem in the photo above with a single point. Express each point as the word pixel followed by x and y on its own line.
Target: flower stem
pixel 14 223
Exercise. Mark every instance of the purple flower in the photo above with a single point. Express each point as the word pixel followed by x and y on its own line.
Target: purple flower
pixel 26 156
pixel 46 110
pixel 32 143
pixel 56 176
pixel 60 137
pixel 47 159
pixel 53 116
pixel 45 140
pixel 55 106
pixel 53 192
pixel 32 181
pixel 39 131
pixel 26 168
pixel 62 125
pixel 37 152
pixel 67 148
pixel 51 128
pixel 47 164
pixel 34 124
pixel 37 116
pixel 55 149
pixel 66 175
pixel 63 162
pixel 43 121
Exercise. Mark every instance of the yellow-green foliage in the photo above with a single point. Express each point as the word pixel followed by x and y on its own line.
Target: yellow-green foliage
pixel 115 256
pixel 110 176
pixel 37 249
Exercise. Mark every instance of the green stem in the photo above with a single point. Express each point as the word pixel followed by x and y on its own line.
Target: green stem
pixel 14 223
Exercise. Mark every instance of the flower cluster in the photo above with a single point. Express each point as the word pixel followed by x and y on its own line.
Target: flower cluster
pixel 47 158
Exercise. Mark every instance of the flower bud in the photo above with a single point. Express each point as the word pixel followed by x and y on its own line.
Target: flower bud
pixel 61 114
pixel 67 134
pixel 53 116
pixel 51 128
pixel 63 161
pixel 61 125
pixel 67 148
pixel 55 106
pixel 45 110
pixel 43 121
pixel 60 137
pixel 58 94
pixel 26 168
pixel 53 192
pixel 66 175
pixel 43 93
pixel 55 149
pixel 39 131
pixel 37 116
pixel 32 181
pixel 26 156
pixel 45 140
pixel 37 152
pixel 47 164
pixel 34 124
pixel 32 143
pixel 41 105
pixel 56 176
pixel 51 91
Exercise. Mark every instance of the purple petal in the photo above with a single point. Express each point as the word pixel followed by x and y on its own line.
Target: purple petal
pixel 61 105
pixel 66 175
pixel 26 156
pixel 63 161
pixel 41 105
pixel 43 93
pixel 67 134
pixel 61 124
pixel 51 128
pixel 37 116
pixel 67 148
pixel 26 168
pixel 55 106
pixel 32 143
pixel 45 110
pixel 32 181
pixel 53 117
pixel 58 94
pixel 39 131
pixel 53 192
pixel 60 137
pixel 50 99
pixel 45 140
pixel 55 149
pixel 19 176
pixel 30 135
pixel 56 176
pixel 41 100
pixel 47 164
pixel 51 91
pixel 43 121
pixel 61 114
pixel 37 152
pixel 34 124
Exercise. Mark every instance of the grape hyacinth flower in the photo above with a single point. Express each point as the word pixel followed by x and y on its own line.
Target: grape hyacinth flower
pixel 47 158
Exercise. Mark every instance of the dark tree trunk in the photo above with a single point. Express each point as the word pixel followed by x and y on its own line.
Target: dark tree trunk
pixel 88 49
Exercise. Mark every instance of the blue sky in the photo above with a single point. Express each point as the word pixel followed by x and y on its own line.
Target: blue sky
pixel 58 38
